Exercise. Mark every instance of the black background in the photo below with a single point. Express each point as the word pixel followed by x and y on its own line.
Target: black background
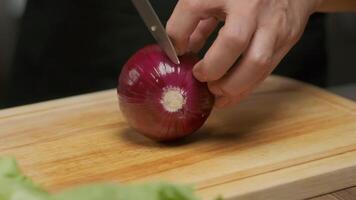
pixel 68 47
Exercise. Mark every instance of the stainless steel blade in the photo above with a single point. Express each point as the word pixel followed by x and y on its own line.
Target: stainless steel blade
pixel 156 28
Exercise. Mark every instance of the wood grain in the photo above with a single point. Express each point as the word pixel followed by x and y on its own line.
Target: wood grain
pixel 326 197
pixel 346 194
pixel 288 140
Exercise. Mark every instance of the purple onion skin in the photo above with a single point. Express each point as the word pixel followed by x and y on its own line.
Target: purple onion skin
pixel 160 99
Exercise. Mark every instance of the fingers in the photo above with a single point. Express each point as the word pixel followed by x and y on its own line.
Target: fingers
pixel 201 34
pixel 186 17
pixel 255 66
pixel 232 40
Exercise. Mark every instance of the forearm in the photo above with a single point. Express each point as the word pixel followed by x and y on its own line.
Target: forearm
pixel 337 6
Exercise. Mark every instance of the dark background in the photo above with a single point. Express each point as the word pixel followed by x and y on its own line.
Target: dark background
pixel 58 48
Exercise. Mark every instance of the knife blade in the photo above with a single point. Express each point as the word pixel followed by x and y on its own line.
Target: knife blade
pixel 156 28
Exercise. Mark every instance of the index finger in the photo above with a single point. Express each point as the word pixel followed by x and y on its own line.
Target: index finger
pixel 186 17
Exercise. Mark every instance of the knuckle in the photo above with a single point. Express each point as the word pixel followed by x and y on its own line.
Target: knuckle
pixel 192 5
pixel 262 60
pixel 293 35
pixel 288 33
pixel 171 29
pixel 234 37
pixel 175 34
pixel 281 20
pixel 198 35
pixel 289 36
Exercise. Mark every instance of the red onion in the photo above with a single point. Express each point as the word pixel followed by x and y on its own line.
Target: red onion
pixel 160 99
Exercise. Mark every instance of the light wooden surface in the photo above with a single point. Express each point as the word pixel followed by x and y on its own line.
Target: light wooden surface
pixel 346 194
pixel 286 141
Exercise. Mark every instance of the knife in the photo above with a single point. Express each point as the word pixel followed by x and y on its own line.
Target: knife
pixel 156 28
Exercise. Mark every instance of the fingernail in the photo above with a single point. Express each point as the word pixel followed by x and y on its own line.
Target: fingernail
pixel 221 102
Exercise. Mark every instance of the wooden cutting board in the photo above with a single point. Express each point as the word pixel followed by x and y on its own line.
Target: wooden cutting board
pixel 288 140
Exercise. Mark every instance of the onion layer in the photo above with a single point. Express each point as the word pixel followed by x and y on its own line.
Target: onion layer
pixel 160 99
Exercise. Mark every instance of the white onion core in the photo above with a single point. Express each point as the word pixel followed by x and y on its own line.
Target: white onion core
pixel 173 99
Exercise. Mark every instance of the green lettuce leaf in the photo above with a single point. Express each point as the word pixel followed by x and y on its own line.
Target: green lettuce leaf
pixel 148 191
pixel 15 186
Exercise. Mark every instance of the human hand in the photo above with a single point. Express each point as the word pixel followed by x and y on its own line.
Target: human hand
pixel 259 32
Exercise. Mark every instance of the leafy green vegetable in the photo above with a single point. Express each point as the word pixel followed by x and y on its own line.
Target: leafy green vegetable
pixel 15 186
pixel 149 191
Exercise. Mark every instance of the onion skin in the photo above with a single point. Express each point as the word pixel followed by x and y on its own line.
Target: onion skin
pixel 160 99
